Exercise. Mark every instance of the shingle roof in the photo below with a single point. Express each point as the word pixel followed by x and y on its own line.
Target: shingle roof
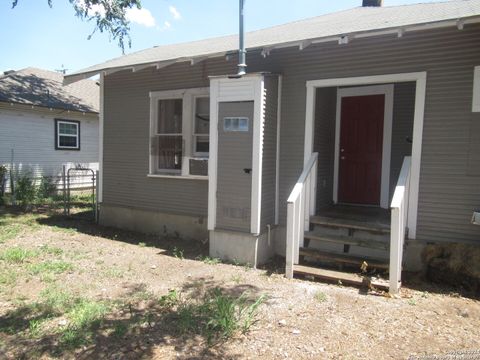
pixel 32 86
pixel 356 20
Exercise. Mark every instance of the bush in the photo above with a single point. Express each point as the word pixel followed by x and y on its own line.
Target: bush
pixel 3 178
pixel 47 187
pixel 25 190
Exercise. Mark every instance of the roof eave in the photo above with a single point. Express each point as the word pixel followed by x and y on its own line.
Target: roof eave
pixel 267 48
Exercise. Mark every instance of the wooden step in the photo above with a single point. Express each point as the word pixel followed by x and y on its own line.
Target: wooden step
pixel 335 276
pixel 344 258
pixel 348 240
pixel 373 227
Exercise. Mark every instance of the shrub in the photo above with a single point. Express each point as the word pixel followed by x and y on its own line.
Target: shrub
pixel 25 190
pixel 3 178
pixel 47 187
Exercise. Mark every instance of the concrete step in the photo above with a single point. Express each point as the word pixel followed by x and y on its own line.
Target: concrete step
pixel 347 240
pixel 373 227
pixel 336 276
pixel 344 258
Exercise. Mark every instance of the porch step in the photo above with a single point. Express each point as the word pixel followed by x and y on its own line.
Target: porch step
pixel 335 276
pixel 373 227
pixel 343 258
pixel 347 240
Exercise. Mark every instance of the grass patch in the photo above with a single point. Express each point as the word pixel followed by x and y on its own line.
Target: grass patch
pixel 113 272
pixel 178 253
pixel 8 277
pixel 320 296
pixel 10 231
pixel 217 317
pixel 50 267
pixel 17 254
pixel 51 250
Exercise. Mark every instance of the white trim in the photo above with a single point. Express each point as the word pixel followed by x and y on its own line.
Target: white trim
pixel 213 155
pixel 277 160
pixel 101 118
pixel 76 136
pixel 421 80
pixel 257 155
pixel 476 90
pixel 196 153
pixel 185 177
pixel 386 90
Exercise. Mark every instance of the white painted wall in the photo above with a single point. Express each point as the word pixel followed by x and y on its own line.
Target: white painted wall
pixel 31 134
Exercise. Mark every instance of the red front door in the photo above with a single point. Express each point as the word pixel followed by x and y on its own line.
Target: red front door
pixel 361 144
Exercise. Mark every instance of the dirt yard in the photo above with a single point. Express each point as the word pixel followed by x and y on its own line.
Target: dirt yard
pixel 71 289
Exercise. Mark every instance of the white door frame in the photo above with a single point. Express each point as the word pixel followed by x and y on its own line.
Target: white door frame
pixel 386 90
pixel 420 78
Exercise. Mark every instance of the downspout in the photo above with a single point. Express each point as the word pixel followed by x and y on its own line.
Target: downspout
pixel 242 65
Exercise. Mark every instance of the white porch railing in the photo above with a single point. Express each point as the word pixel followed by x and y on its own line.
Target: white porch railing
pixel 399 217
pixel 300 206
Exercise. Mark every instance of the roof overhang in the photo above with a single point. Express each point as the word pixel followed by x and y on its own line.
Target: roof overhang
pixel 268 48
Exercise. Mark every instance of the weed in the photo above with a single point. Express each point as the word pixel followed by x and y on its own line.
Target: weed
pixel 113 272
pixel 25 190
pixel 209 260
pixel 320 296
pixel 47 187
pixel 8 277
pixel 142 244
pixel 17 255
pixel 169 300
pixel 412 302
pixel 237 279
pixel 120 329
pixel 35 326
pixel 50 267
pixel 178 253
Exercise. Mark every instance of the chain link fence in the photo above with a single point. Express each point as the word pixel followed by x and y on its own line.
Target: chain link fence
pixel 72 193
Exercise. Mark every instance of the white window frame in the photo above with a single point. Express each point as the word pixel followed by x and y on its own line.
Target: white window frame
pixel 58 134
pixel 476 90
pixel 188 102
pixel 198 154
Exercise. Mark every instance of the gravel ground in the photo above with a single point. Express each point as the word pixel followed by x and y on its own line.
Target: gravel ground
pixel 299 319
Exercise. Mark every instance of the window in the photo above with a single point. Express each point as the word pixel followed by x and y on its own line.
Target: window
pixel 201 139
pixel 67 134
pixel 476 90
pixel 235 124
pixel 169 134
pixel 179 128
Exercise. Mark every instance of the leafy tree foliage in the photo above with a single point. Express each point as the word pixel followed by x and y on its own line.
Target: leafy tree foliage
pixel 108 15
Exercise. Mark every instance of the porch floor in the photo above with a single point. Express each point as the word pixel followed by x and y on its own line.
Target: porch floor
pixel 369 216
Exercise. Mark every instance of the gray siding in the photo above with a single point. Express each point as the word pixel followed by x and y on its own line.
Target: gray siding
pixel 269 152
pixel 448 188
pixel 324 143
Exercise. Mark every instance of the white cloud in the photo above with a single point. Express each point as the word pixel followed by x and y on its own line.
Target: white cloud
pixel 140 16
pixel 175 13
pixel 167 25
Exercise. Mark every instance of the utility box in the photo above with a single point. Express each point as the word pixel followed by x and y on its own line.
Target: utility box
pixel 243 168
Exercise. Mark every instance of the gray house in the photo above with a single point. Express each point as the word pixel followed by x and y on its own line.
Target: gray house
pixel 353 137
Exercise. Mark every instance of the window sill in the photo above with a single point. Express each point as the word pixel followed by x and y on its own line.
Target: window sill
pixel 185 177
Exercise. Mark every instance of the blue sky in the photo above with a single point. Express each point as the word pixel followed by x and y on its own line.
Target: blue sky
pixel 36 35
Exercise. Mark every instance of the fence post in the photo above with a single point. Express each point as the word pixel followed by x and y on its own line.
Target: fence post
pixel 64 190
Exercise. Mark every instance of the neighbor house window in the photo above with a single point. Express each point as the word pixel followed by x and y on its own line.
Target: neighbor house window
pixel 179 130
pixel 67 134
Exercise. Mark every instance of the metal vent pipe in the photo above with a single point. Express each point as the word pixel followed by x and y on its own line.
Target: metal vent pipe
pixel 242 63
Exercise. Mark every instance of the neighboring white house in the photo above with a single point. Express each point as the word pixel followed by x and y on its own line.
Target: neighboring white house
pixel 45 124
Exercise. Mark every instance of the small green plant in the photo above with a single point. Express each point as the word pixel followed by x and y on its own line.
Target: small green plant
pixel 142 244
pixel 35 326
pixel 412 302
pixel 178 253
pixel 17 255
pixel 320 296
pixel 51 250
pixel 209 260
pixel 25 190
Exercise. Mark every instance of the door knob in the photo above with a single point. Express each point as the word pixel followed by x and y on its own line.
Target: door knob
pixel 247 171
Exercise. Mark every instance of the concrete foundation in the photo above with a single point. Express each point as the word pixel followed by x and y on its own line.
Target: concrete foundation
pixel 150 222
pixel 241 247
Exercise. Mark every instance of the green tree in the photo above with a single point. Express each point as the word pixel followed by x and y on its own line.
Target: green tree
pixel 109 16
